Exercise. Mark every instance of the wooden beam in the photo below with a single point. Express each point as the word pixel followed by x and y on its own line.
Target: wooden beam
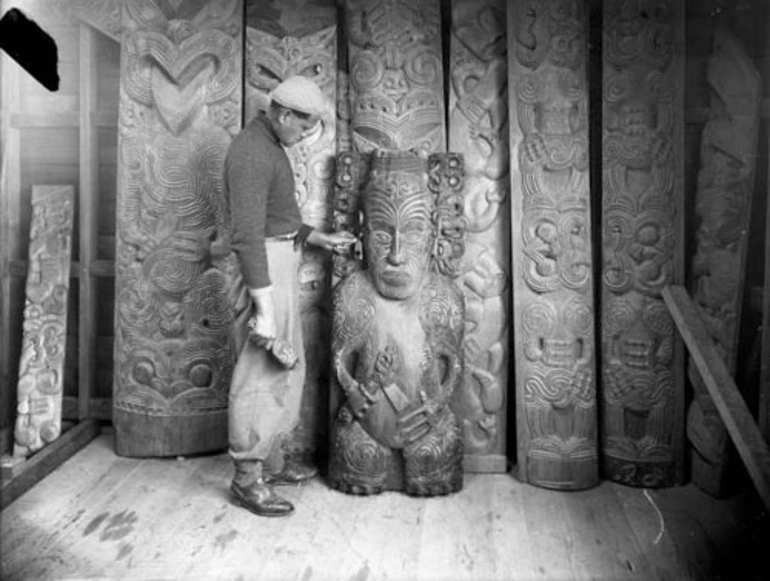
pixel 32 470
pixel 722 389
pixel 87 207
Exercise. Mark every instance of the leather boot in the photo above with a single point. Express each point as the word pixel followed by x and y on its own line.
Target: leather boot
pixel 293 473
pixel 259 498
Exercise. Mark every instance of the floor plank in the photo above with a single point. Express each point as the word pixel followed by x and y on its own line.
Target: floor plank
pixel 104 517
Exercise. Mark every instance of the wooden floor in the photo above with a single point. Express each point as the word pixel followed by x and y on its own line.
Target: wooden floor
pixel 104 517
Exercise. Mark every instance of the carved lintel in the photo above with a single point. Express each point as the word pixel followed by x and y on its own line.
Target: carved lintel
pixel 41 365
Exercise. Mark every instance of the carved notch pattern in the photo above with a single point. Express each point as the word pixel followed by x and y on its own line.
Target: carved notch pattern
pixel 180 104
pixel 723 204
pixel 41 366
pixel 396 84
pixel 642 145
pixel 556 387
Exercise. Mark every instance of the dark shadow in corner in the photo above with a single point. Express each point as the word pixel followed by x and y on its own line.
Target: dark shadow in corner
pixel 31 47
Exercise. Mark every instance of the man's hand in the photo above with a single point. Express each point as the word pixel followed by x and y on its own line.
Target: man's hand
pixel 263 329
pixel 339 242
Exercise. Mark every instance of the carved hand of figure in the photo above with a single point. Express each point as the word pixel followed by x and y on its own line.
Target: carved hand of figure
pixel 416 423
pixel 359 397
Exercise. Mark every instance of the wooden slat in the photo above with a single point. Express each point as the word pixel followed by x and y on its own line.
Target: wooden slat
pixel 48 459
pixel 722 389
pixel 88 200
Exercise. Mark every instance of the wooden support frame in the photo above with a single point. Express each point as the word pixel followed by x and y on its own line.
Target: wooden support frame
pixel 722 389
pixel 764 377
pixel 20 476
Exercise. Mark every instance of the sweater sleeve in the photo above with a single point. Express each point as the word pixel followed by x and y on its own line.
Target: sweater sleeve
pixel 249 178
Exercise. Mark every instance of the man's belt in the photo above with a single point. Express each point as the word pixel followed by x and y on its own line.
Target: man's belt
pixel 281 237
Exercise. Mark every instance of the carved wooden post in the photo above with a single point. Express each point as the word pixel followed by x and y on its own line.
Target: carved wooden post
pixel 553 306
pixel 283 42
pixel 478 129
pixel 396 78
pixel 723 208
pixel 180 105
pixel 41 365
pixel 642 239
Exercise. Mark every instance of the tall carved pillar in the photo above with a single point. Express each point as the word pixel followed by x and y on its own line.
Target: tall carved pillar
pixel 283 42
pixel 478 129
pixel 396 76
pixel 41 365
pixel 642 240
pixel 723 208
pixel 180 105
pixel 553 303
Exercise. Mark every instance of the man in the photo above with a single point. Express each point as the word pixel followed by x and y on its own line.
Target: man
pixel 267 235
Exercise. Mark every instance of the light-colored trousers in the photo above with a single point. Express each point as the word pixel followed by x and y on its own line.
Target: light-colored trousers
pixel 265 398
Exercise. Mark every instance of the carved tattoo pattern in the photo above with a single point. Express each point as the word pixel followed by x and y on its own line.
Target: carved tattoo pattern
pixel 180 105
pixel 269 60
pixel 642 157
pixel 41 365
pixel 396 83
pixel 723 206
pixel 478 127
pixel 555 364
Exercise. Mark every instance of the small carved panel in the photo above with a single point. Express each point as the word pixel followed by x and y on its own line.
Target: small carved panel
pixel 180 105
pixel 723 207
pixel 553 282
pixel 396 75
pixel 269 60
pixel 478 128
pixel 643 173
pixel 41 365
pixel 398 329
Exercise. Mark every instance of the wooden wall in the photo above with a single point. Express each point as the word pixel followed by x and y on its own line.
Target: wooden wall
pixel 70 137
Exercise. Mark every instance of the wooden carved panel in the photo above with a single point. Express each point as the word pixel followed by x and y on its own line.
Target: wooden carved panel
pixel 642 240
pixel 478 129
pixel 41 366
pixel 553 281
pixel 723 208
pixel 180 105
pixel 396 78
pixel 269 60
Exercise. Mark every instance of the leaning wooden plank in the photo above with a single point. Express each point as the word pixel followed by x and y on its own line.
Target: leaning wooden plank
pixel 764 382
pixel 34 469
pixel 722 389
pixel 723 211
pixel 41 366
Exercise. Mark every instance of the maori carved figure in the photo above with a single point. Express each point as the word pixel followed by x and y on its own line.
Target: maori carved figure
pixel 397 335
pixel 554 317
pixel 41 366
pixel 396 79
pixel 269 60
pixel 478 128
pixel 179 108
pixel 643 191
pixel 723 204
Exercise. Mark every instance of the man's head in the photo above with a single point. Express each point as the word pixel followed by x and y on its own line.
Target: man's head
pixel 296 106
pixel 398 229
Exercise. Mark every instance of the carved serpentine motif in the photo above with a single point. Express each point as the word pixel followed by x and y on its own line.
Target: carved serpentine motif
pixel 41 365
pixel 554 316
pixel 396 83
pixel 723 207
pixel 179 107
pixel 478 128
pixel 270 60
pixel 398 328
pixel 643 145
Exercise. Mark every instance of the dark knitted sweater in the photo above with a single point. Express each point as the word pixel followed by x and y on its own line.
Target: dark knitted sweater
pixel 259 184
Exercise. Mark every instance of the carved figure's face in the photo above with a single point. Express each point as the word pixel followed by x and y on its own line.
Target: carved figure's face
pixel 398 235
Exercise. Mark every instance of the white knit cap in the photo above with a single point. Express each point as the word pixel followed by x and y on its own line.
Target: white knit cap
pixel 301 94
